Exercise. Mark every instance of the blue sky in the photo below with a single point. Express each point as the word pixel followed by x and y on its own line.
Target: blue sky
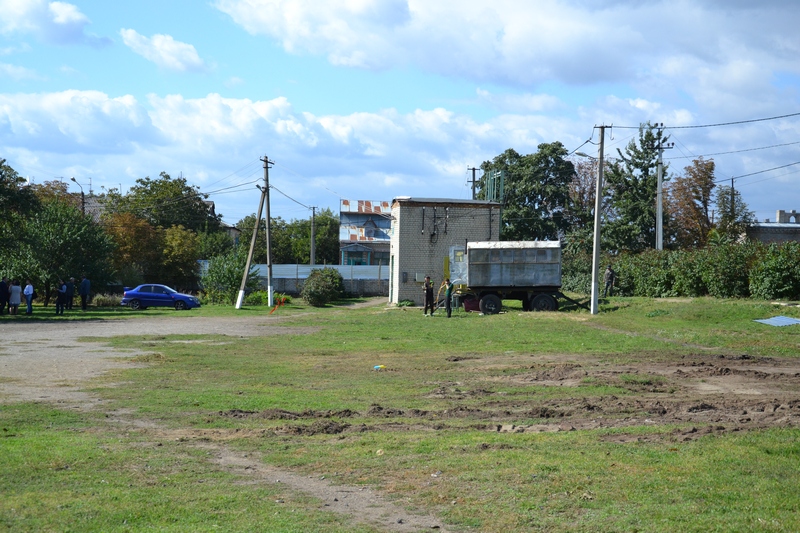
pixel 372 99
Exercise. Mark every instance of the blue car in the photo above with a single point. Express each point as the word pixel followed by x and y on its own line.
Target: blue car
pixel 151 295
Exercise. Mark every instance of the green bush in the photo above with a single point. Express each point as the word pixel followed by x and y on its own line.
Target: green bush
pixel 687 272
pixel 726 269
pixel 777 272
pixel 576 271
pixel 261 297
pixel 322 287
pixel 107 300
pixel 224 277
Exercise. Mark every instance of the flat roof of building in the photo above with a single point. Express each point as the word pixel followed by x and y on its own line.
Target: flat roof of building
pixel 449 201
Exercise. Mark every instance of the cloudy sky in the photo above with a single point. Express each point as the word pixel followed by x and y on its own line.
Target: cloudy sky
pixel 372 99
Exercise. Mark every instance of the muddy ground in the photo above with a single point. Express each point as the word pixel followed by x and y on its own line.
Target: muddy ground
pixel 703 393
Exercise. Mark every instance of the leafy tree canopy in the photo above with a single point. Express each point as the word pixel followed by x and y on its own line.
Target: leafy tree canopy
pixel 689 200
pixel 165 202
pixel 734 215
pixel 632 182
pixel 15 195
pixel 536 191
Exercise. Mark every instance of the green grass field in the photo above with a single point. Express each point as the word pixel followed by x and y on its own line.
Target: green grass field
pixel 423 429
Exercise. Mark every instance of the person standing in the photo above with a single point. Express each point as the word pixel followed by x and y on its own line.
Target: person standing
pixel 61 297
pixel 448 297
pixel 3 294
pixel 14 298
pixel 83 290
pixel 70 293
pixel 428 288
pixel 609 278
pixel 28 292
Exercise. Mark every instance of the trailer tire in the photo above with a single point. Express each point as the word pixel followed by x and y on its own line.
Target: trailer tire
pixel 490 304
pixel 544 302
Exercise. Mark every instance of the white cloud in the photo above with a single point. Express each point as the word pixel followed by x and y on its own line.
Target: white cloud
pixel 17 73
pixel 660 47
pixel 520 103
pixel 164 51
pixel 73 122
pixel 55 22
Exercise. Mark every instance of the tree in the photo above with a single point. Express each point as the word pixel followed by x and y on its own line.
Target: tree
pixel 15 195
pixel 214 243
pixel 689 201
pixel 632 183
pixel 179 263
pixel 138 253
pixel 165 202
pixel 223 278
pixel 734 215
pixel 57 241
pixel 536 191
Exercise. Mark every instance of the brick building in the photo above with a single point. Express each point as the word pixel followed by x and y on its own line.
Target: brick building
pixel 364 228
pixel 423 232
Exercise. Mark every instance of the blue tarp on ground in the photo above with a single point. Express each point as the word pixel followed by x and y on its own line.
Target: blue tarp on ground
pixel 779 321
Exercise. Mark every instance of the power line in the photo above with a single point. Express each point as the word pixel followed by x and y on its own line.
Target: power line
pixel 759 172
pixel 736 151
pixel 732 123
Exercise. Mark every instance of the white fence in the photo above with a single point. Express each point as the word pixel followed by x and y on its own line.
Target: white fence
pixel 378 272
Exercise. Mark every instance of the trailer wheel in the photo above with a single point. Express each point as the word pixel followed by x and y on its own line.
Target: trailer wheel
pixel 544 302
pixel 490 304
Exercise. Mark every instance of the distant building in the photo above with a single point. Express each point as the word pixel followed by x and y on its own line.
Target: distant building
pixel 423 232
pixel 785 228
pixel 364 232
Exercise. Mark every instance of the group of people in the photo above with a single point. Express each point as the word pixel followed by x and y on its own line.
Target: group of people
pixel 12 295
pixel 430 301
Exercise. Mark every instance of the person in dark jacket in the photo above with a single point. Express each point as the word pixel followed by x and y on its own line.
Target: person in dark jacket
pixel 4 289
pixel 428 288
pixel 61 297
pixel 83 291
pixel 70 293
pixel 609 278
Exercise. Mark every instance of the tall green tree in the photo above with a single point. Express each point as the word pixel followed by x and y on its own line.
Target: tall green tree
pixel 536 191
pixel 631 183
pixel 57 242
pixel 15 195
pixel 734 214
pixel 165 202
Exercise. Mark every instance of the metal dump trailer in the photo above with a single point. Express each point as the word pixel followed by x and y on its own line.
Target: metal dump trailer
pixel 529 271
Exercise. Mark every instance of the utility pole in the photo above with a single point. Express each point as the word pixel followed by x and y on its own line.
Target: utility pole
pixel 267 163
pixel 313 257
pixel 598 203
pixel 264 197
pixel 659 190
pixel 733 194
pixel 474 181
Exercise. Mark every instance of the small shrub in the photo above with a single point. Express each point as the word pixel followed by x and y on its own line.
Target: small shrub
pixel 262 298
pixel 322 287
pixel 107 300
pixel 405 303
